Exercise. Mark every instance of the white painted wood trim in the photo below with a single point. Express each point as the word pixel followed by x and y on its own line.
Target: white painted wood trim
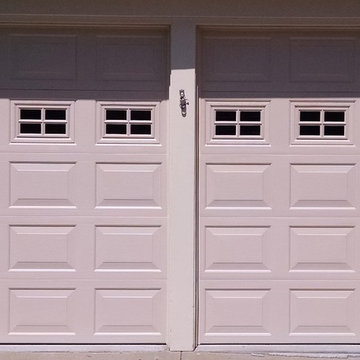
pixel 182 194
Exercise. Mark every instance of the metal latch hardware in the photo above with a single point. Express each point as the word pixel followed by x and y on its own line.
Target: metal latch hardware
pixel 183 102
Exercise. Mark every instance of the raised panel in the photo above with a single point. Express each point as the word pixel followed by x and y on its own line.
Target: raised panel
pixel 234 249
pixel 128 185
pixel 42 184
pixel 121 58
pixel 236 185
pixel 236 58
pixel 41 248
pixel 323 185
pixel 322 59
pixel 128 248
pixel 45 57
pixel 236 312
pixel 129 312
pixel 322 312
pixel 322 249
pixel 41 311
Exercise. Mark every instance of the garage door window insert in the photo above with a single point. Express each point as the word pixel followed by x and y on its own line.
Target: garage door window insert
pixel 128 123
pixel 322 123
pixel 41 122
pixel 328 123
pixel 238 123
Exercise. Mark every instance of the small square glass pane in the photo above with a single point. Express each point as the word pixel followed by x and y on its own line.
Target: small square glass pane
pixel 55 129
pixel 225 130
pixel 115 129
pixel 55 114
pixel 250 130
pixel 29 128
pixel 334 116
pixel 250 116
pixel 225 116
pixel 32 114
pixel 309 130
pixel 140 129
pixel 115 114
pixel 141 115
pixel 309 115
pixel 334 131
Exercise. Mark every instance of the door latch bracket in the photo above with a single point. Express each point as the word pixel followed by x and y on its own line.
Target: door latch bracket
pixel 183 102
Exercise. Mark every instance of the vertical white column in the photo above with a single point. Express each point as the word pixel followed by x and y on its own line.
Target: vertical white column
pixel 182 190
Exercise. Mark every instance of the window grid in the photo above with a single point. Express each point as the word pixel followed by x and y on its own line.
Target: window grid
pixel 240 125
pixel 322 125
pixel 134 128
pixel 49 128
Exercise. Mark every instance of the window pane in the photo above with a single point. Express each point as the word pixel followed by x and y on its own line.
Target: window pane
pixel 140 115
pixel 309 115
pixel 250 116
pixel 250 130
pixel 335 116
pixel 30 128
pixel 225 130
pixel 115 114
pixel 225 115
pixel 32 114
pixel 58 114
pixel 115 129
pixel 334 131
pixel 55 128
pixel 310 130
pixel 141 129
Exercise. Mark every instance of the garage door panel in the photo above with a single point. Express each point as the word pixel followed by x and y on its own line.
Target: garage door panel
pixel 43 312
pixel 125 312
pixel 272 248
pixel 63 187
pixel 40 248
pixel 77 116
pixel 242 312
pixel 139 249
pixel 34 311
pixel 64 249
pixel 324 249
pixel 31 60
pixel 323 185
pixel 104 311
pixel 237 185
pixel 325 310
pixel 83 59
pixel 239 250
pixel 313 61
pixel 42 184
pixel 129 185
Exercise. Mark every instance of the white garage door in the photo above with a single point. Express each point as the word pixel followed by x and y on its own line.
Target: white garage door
pixel 279 187
pixel 83 186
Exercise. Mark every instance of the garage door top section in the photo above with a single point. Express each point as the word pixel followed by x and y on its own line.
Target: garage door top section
pixel 130 60
pixel 279 62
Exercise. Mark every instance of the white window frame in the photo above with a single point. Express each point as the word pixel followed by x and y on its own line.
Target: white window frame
pixel 18 105
pixel 103 138
pixel 296 106
pixel 238 106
